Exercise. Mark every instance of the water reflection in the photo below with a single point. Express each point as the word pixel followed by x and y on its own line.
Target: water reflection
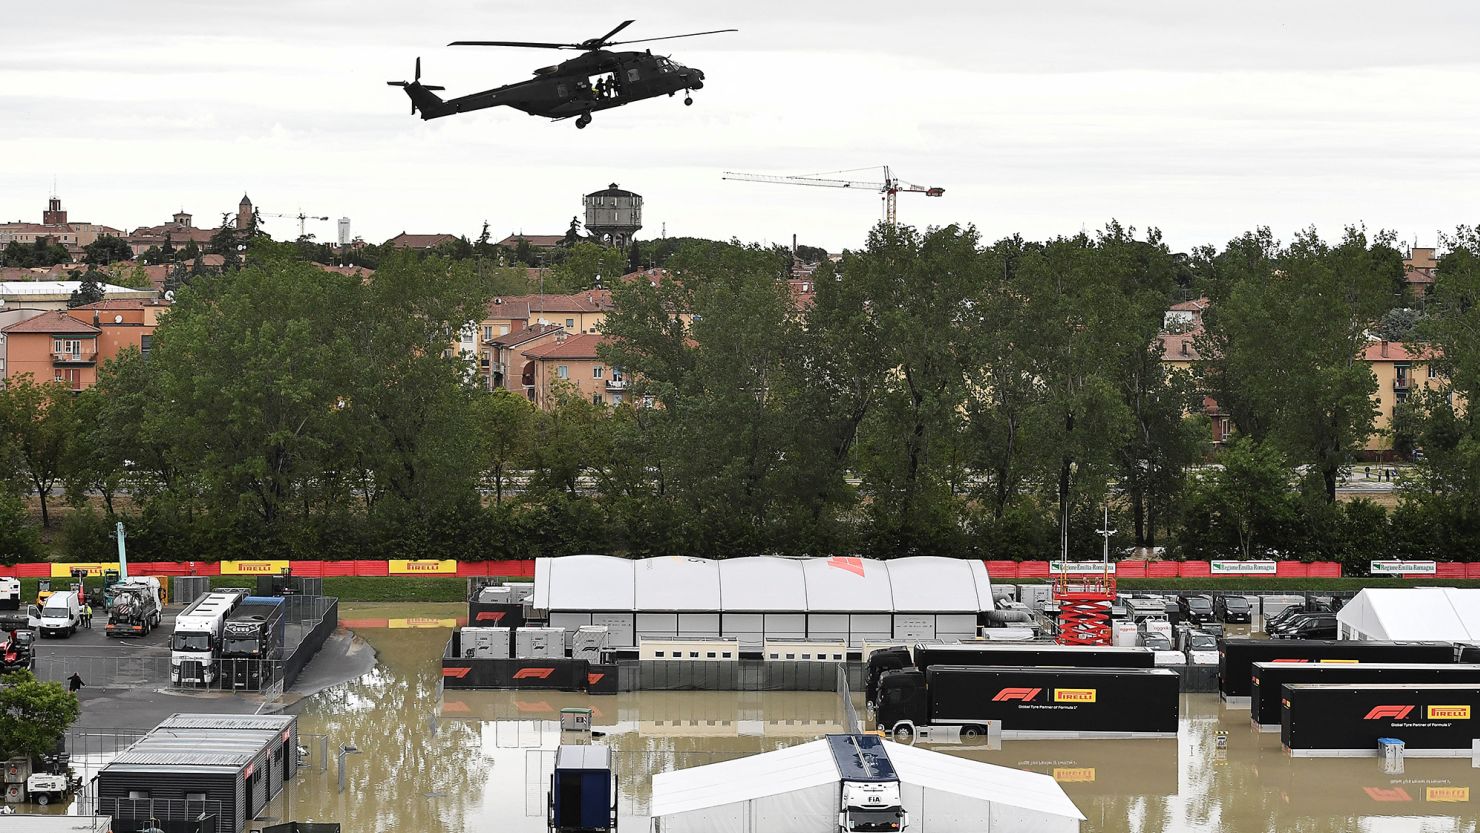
pixel 476 761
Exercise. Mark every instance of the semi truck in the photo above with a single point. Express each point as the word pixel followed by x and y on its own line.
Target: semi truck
pixel 925 655
pixel 252 643
pixel 134 609
pixel 10 594
pixel 868 788
pixel 1031 702
pixel 197 636
pixel 1236 657
pixel 1270 677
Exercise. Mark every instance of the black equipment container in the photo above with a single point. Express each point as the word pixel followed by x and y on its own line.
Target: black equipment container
pixel 1023 655
pixel 1270 677
pixel 495 615
pixel 1034 701
pixel 551 674
pixel 1236 657
pixel 1431 719
pixel 601 679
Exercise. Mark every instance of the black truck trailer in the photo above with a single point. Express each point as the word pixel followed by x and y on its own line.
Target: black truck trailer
pixel 1236 657
pixel 1431 719
pixel 1270 677
pixel 1031 702
pixel 252 643
pixel 924 656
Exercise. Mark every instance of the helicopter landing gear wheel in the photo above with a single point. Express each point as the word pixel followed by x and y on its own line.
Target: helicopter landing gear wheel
pixel 688 101
pixel 582 121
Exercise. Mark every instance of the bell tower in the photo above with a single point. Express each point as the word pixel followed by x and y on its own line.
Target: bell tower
pixel 244 213
pixel 54 215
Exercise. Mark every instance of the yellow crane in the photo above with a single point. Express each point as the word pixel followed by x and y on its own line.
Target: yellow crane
pixel 890 186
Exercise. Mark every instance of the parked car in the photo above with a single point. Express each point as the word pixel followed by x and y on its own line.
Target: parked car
pixel 1200 647
pixel 1310 626
pixel 1274 622
pixel 1233 610
pixel 61 615
pixel 1196 610
pixel 1155 640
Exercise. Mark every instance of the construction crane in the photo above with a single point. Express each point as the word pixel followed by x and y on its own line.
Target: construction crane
pixel 300 217
pixel 890 187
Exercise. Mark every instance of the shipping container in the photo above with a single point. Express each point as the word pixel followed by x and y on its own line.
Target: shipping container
pixel 1033 702
pixel 583 795
pixel 1270 677
pixel 804 650
pixel 1431 719
pixel 1236 657
pixel 709 650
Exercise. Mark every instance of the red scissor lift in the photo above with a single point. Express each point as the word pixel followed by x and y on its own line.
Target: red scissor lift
pixel 1084 607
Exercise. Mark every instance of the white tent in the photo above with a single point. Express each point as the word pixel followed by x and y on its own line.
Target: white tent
pixel 795 790
pixel 1444 614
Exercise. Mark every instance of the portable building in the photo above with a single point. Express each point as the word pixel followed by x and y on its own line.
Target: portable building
pixel 797 789
pixel 765 597
pixel 229 766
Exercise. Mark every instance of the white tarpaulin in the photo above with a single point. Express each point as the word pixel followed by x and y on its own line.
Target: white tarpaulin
pixel 1445 614
pixel 795 790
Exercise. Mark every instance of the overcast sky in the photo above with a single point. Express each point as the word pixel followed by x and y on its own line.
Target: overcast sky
pixel 1037 118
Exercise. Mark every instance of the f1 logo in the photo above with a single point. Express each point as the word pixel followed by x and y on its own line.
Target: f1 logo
pixel 490 615
pixel 533 673
pixel 1388 712
pixel 593 679
pixel 456 673
pixel 1023 694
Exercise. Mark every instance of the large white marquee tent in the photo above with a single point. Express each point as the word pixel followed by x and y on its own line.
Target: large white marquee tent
pixel 756 598
pixel 1445 614
pixel 795 790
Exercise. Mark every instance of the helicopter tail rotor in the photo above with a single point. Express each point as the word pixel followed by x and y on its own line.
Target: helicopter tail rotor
pixel 421 95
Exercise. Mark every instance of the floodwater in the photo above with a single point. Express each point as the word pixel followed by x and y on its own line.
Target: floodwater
pixel 480 761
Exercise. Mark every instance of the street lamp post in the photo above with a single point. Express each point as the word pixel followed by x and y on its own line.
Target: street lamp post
pixel 345 749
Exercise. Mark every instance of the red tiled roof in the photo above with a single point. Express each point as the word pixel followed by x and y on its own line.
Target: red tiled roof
pixel 524 336
pixel 419 241
pixel 595 300
pixel 538 241
pixel 1195 305
pixel 54 322
pixel 581 346
pixel 1393 351
pixel 123 303
pixel 1173 344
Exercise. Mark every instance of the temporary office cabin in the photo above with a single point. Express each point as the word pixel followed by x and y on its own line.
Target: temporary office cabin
pixel 229 766
pixel 765 597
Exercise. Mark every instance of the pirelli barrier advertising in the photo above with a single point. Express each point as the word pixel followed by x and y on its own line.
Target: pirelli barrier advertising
pixel 1034 701
pixel 1270 677
pixel 1431 719
pixel 555 674
pixel 1236 657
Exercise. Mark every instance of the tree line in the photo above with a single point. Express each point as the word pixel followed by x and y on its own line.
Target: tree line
pixel 940 395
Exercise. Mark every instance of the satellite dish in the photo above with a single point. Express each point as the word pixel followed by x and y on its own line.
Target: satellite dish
pixel 170 296
pixel 117 319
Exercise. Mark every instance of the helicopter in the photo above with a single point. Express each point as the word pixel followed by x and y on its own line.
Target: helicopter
pixel 597 79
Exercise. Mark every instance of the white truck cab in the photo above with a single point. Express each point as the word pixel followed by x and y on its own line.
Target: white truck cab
pixel 871 806
pixel 61 615
pixel 197 637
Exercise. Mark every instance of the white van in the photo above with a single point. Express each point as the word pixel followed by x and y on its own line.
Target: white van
pixel 61 615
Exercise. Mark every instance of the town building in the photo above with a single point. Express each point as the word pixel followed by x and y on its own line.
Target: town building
pixel 420 242
pixel 503 363
pixel 572 360
pixel 177 233
pixel 69 346
pixel 533 241
pixel 57 227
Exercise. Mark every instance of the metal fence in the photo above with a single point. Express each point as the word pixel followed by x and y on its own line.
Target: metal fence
pixel 165 815
pixel 845 703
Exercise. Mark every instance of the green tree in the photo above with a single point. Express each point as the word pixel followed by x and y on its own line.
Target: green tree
pixel 1252 489
pixel 34 715
pixel 505 425
pixel 16 255
pixel 1284 337
pixel 89 289
pixel 105 250
pixel 36 419
pixel 19 540
pixel 585 265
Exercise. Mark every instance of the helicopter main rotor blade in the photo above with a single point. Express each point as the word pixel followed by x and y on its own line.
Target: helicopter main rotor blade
pixel 528 44
pixel 596 43
pixel 670 37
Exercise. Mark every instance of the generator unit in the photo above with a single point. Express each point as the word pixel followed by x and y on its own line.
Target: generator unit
pixel 485 643
pixel 589 642
pixel 539 643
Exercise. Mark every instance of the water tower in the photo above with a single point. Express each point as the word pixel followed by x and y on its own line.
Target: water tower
pixel 613 215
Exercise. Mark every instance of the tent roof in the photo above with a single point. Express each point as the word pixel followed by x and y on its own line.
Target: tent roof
pixel 811 764
pixel 1445 614
pixel 745 779
pixel 762 583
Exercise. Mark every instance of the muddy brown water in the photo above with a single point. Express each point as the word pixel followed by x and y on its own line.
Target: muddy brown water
pixel 480 761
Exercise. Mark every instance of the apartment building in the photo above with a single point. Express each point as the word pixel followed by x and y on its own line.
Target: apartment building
pixel 573 360
pixel 70 345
